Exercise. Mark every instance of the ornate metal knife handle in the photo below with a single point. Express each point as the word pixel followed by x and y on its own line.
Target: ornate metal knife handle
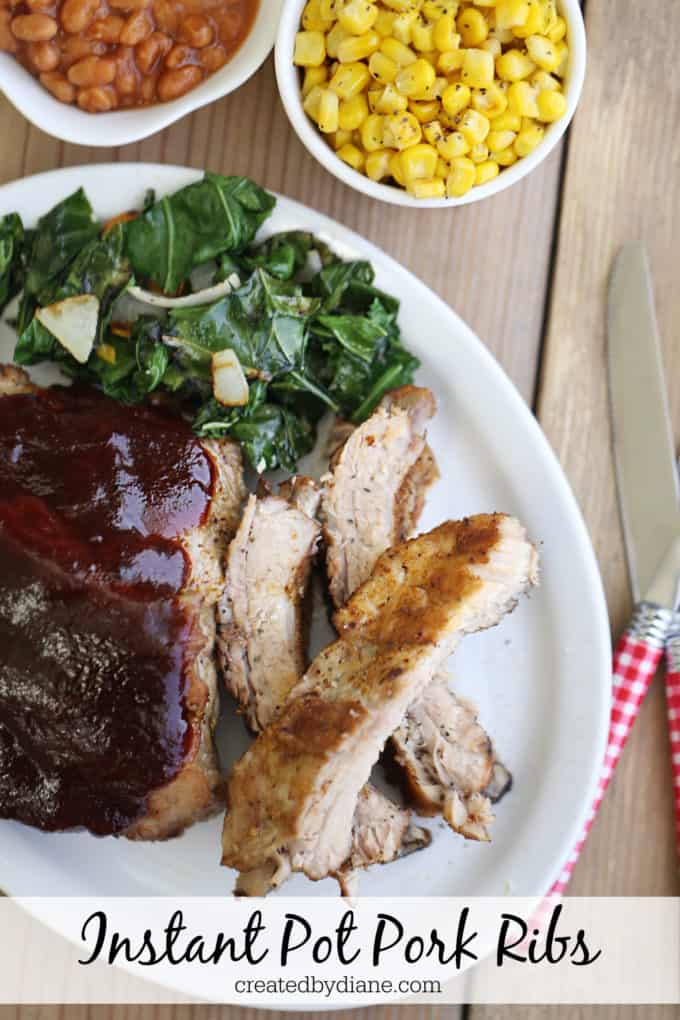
pixel 656 626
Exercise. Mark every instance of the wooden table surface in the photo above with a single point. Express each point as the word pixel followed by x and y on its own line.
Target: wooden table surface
pixel 527 270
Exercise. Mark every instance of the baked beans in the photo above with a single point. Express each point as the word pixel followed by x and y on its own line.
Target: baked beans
pixel 118 54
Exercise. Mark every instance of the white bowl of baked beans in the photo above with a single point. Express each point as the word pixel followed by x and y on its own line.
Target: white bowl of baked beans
pixel 111 72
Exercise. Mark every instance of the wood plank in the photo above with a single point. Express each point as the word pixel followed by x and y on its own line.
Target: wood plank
pixel 617 188
pixel 216 1013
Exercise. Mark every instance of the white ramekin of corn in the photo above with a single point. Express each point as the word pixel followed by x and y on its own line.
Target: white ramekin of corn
pixel 430 102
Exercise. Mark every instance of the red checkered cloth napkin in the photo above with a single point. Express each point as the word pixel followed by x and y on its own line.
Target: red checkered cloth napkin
pixel 635 664
pixel 673 699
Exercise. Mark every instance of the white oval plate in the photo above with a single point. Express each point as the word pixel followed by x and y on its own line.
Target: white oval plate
pixel 542 679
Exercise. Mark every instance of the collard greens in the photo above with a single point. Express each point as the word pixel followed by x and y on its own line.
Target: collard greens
pixel 312 332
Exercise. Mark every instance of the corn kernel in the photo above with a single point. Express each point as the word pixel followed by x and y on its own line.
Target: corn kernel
pixel 507 121
pixel 416 78
pixel 390 101
pixel 461 178
pixel 498 140
pixel 492 45
pixel 434 9
pixel 433 132
pixel 333 39
pixel 478 69
pixel 400 5
pixel 479 153
pixel 352 113
pixel 418 162
pixel 352 156
pixel 453 145
pixel 313 76
pixel 558 31
pixel 328 116
pixel 563 52
pixel 378 164
pixel 543 53
pixel 522 99
pixel 358 47
pixel 491 101
pixel 310 49
pixel 384 23
pixel 456 98
pixel 485 3
pixel 450 61
pixel 340 138
pixel 382 68
pixel 486 172
pixel 506 157
pixel 402 27
pixel 473 125
pixel 422 36
pixel 543 81
pixel 514 66
pixel 395 169
pixel 402 131
pixel 443 169
pixel 350 80
pixel 528 139
pixel 551 106
pixel 473 27
pixel 328 9
pixel 440 85
pixel 313 19
pixel 372 133
pixel 445 35
pixel 536 21
pixel 425 110
pixel 432 188
pixel 358 16
pixel 312 101
pixel 401 55
pixel 512 13
pixel 373 99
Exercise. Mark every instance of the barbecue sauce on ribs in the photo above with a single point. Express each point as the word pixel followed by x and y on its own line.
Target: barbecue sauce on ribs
pixel 94 627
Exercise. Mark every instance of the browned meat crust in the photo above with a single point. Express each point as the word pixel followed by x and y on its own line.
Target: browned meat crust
pixel 435 734
pixel 293 795
pixel 261 648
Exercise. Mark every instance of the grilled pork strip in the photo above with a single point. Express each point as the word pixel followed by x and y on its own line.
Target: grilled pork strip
pixel 261 647
pixel 112 525
pixel 293 795
pixel 443 753
pixel 260 644
pixel 372 494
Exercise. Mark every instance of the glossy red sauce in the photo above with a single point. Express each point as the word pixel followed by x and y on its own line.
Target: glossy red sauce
pixel 93 638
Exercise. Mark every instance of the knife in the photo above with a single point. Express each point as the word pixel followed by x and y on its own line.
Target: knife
pixel 647 482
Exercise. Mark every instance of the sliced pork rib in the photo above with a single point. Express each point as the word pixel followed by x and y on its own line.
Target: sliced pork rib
pixel 112 525
pixel 260 613
pixel 369 498
pixel 447 760
pixel 261 647
pixel 386 457
pixel 293 795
